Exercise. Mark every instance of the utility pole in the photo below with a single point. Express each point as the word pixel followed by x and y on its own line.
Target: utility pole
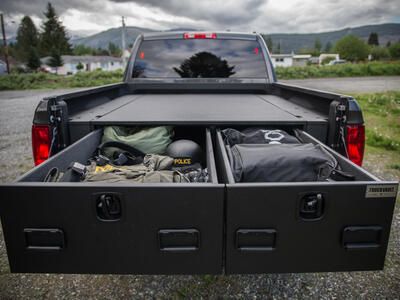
pixel 123 34
pixel 5 43
pixel 124 58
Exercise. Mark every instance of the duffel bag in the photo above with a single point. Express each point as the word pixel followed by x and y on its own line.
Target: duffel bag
pixel 280 162
pixel 149 140
pixel 258 136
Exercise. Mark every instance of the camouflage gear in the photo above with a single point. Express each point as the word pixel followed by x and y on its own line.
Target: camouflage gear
pixel 155 169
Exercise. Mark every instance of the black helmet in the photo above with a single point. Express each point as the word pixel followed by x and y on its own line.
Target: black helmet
pixel 184 152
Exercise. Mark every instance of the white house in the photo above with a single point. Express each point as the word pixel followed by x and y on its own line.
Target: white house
pixel 89 63
pixel 301 60
pixel 282 60
pixel 289 60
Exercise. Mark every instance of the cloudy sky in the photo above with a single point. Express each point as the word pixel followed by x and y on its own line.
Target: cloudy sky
pixel 85 17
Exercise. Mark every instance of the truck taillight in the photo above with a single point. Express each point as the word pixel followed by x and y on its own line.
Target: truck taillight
pixel 355 141
pixel 40 143
pixel 198 35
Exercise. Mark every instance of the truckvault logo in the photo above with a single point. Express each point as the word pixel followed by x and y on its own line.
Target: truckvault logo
pixel 381 191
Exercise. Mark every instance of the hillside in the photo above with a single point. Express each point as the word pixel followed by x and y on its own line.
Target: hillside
pixel 289 41
pixel 295 42
pixel 113 35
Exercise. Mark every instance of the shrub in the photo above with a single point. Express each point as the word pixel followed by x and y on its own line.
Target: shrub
pixel 352 48
pixel 394 50
pixel 379 53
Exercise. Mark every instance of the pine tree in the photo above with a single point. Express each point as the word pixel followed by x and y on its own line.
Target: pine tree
pixel 278 48
pixel 54 36
pixel 373 39
pixel 317 46
pixel 27 38
pixel 55 59
pixel 328 47
pixel 114 49
pixel 33 62
pixel 269 43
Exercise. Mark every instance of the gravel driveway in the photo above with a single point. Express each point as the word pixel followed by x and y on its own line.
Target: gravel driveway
pixel 351 84
pixel 15 159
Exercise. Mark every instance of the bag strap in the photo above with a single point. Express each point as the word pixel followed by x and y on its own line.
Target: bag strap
pixel 115 144
pixel 130 156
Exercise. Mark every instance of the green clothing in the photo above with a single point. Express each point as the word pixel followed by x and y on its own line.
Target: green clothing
pixel 155 169
pixel 149 140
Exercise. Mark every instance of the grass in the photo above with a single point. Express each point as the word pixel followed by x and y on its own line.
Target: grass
pixel 344 70
pixel 52 81
pixel 98 77
pixel 381 113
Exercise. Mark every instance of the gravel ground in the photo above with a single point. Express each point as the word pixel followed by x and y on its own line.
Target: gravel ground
pixel 350 84
pixel 15 122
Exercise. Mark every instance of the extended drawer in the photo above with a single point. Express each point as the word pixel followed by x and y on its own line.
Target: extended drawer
pixel 158 228
pixel 306 226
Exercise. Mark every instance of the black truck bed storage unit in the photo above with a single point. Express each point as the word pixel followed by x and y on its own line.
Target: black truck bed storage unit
pixel 268 231
pixel 163 228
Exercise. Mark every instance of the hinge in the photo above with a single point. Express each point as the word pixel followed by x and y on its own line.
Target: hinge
pixel 340 120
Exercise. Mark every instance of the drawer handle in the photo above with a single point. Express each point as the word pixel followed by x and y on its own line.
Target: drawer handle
pixel 362 237
pixel 47 239
pixel 176 240
pixel 255 239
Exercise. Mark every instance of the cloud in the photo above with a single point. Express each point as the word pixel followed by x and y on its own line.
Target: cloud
pixel 269 16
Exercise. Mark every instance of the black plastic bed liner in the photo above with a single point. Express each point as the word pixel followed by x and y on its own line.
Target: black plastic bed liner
pixel 198 109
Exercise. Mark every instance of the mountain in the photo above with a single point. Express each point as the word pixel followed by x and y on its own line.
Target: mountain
pixel 113 35
pixel 295 42
pixel 289 41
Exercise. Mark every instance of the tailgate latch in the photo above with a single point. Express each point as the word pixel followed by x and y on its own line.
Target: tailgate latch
pixel 108 207
pixel 311 206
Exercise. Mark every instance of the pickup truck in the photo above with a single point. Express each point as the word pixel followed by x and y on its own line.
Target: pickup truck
pixel 200 83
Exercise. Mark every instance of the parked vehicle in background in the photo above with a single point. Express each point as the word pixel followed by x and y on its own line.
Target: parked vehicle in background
pixel 201 83
pixel 337 62
pixel 3 68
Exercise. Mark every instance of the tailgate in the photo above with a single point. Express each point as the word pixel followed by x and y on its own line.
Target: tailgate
pixel 268 230
pixel 161 228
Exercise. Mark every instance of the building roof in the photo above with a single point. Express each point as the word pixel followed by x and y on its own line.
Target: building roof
pixel 72 59
pixel 281 55
pixel 302 56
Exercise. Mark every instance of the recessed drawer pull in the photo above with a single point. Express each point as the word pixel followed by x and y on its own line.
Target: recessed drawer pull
pixel 47 239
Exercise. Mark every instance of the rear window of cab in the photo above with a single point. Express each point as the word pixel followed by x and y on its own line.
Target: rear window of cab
pixel 199 58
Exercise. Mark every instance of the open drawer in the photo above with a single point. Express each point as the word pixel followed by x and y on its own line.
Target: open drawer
pixel 267 230
pixel 162 228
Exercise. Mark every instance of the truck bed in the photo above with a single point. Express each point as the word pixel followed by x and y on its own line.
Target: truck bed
pixel 198 109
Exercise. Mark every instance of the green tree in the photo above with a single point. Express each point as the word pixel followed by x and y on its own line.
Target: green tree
pixel 55 60
pixel 388 44
pixel 394 50
pixel 328 47
pixel 317 46
pixel 54 36
pixel 352 48
pixel 278 48
pixel 270 44
pixel 33 61
pixel 373 39
pixel 101 51
pixel 83 50
pixel 379 53
pixel 114 50
pixel 27 38
pixel 79 66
